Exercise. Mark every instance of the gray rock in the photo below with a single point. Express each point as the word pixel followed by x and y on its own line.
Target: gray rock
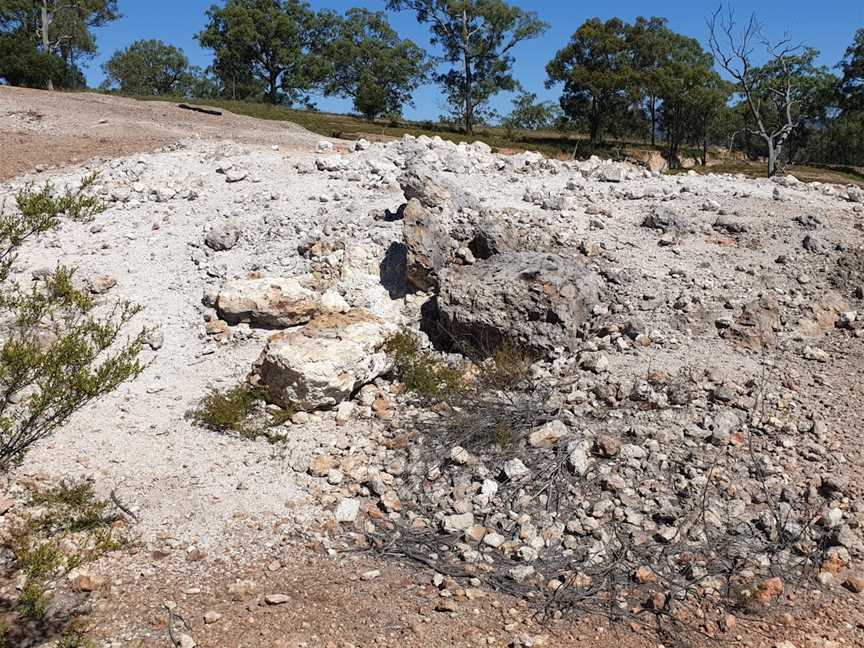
pixel 521 574
pixel 430 247
pixel 814 245
pixel 729 225
pixel 223 236
pixel 531 299
pixel 666 219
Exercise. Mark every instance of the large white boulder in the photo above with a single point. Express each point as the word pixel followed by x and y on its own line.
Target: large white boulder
pixel 326 361
pixel 274 301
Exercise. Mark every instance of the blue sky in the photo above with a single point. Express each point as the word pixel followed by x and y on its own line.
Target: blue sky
pixel 828 25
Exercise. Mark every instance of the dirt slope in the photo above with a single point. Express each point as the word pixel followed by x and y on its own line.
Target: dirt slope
pixel 53 129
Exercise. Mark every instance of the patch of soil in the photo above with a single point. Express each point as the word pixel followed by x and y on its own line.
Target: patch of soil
pixel 56 129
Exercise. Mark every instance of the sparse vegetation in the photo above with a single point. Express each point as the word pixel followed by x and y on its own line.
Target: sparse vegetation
pixel 481 406
pixel 57 355
pixel 506 367
pixel 75 640
pixel 241 409
pixel 63 528
pixel 421 371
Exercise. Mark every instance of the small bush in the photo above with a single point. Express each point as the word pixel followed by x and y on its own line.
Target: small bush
pixel 58 356
pixel 75 640
pixel 240 409
pixel 508 366
pixel 65 527
pixel 421 371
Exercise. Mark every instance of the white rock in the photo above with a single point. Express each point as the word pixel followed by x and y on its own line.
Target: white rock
pixel 547 435
pixel 270 301
pixel 515 469
pixel 579 459
pixel 456 523
pixel 324 363
pixel 347 510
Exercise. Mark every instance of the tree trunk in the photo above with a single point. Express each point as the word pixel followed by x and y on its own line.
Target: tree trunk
pixel 469 108
pixel 772 158
pixel 653 104
pixel 46 40
pixel 273 90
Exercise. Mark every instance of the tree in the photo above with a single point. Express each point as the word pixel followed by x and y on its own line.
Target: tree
pixel 814 94
pixel 597 72
pixel 148 67
pixel 372 65
pixel 58 28
pixel 198 84
pixel 685 84
pixel 529 114
pixel 56 355
pixel 709 114
pixel 769 91
pixel 271 44
pixel 478 37
pixel 23 64
pixel 650 44
pixel 852 67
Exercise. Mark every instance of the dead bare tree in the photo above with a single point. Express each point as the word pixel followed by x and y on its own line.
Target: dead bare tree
pixel 733 50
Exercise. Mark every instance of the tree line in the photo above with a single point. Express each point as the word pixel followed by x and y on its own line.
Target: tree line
pixel 617 79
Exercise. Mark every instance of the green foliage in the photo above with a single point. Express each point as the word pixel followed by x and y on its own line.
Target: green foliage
pixel 62 35
pixel 64 528
pixel 692 93
pixel 370 64
pixel 529 114
pixel 75 640
pixel 840 143
pixel 477 37
pixel 812 88
pixel 269 46
pixel 57 355
pixel 421 371
pixel 240 409
pixel 22 64
pixel 147 67
pixel 852 68
pixel 596 69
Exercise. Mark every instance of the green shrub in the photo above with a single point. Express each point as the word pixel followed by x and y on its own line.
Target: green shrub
pixel 57 355
pixel 63 528
pixel 75 640
pixel 239 409
pixel 421 371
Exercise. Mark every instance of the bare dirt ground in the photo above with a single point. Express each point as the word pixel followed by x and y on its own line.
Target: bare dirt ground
pixel 226 522
pixel 53 130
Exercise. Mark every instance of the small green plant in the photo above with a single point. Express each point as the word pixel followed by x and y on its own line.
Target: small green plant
pixel 239 409
pixel 65 527
pixel 507 367
pixel 503 435
pixel 58 356
pixel 421 371
pixel 75 640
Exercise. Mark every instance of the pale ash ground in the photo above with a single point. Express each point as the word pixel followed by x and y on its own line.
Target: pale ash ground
pixel 192 482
